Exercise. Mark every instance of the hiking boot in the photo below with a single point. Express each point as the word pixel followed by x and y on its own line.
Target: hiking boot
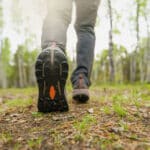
pixel 80 90
pixel 51 71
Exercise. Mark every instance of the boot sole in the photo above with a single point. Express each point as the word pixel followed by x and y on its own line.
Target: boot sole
pixel 51 70
pixel 81 95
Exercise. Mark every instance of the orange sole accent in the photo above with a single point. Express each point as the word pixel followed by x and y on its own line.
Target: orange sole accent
pixel 52 92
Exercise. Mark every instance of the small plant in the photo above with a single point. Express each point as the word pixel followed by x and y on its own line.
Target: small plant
pixel 107 110
pixel 78 137
pixel 119 110
pixel 83 126
pixel 87 121
pixel 122 99
pixel 1 110
pixel 133 137
pixel 124 125
pixel 103 143
pixel 17 146
pixel 37 114
pixel 6 137
pixel 136 98
pixel 35 143
pixel 57 137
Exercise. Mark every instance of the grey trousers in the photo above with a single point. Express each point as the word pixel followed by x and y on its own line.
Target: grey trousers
pixel 55 27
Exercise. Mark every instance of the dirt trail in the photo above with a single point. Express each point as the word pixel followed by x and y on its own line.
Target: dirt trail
pixel 115 118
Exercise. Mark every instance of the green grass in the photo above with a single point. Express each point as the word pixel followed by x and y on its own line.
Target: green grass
pixel 17 146
pixel 78 137
pixel 35 143
pixel 120 98
pixel 119 110
pixel 19 103
pixel 6 137
pixel 24 91
pixel 124 125
pixel 83 126
pixel 118 105
pixel 107 110
pixel 13 99
pixel 37 114
pixel 56 137
pixel 15 102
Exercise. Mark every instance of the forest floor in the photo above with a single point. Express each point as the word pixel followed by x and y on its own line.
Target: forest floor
pixel 115 118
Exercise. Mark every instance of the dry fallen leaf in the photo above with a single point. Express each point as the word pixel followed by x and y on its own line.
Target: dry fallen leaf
pixel 116 130
pixel 91 110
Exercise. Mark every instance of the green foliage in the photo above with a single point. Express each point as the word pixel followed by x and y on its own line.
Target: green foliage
pixel 142 5
pixel 6 137
pixel 107 110
pixel 118 109
pixel 5 55
pixel 17 146
pixel 37 114
pixel 24 60
pixel 57 138
pixel 19 103
pixel 102 129
pixel 78 137
pixel 124 125
pixel 116 31
pixel 5 63
pixel 35 143
pixel 87 121
pixel 83 126
pixel 25 52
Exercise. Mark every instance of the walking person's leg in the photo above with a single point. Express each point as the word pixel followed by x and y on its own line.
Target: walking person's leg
pixel 56 22
pixel 86 13
pixel 51 65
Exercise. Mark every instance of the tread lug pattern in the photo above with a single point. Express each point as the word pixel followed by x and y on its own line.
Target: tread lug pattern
pixel 51 74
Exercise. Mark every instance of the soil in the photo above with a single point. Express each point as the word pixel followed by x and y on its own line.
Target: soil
pixel 95 125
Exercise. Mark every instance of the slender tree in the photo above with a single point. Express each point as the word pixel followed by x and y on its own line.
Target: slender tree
pixel 138 61
pixel 133 60
pixel 112 69
pixel 3 78
pixel 147 52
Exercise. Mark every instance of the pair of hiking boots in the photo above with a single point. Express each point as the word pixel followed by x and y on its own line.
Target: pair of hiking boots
pixel 51 70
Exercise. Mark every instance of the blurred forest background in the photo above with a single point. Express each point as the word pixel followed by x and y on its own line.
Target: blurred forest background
pixel 115 63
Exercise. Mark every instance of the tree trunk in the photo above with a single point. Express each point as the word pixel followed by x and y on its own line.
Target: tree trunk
pixel 142 73
pixel 3 76
pixel 32 79
pixel 112 70
pixel 134 56
pixel 20 72
pixel 24 75
pixel 147 53
pixel 132 67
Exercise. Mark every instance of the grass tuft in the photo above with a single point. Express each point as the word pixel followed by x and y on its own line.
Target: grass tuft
pixel 19 103
pixel 83 126
pixel 35 143
pixel 37 114
pixel 119 110
pixel 6 137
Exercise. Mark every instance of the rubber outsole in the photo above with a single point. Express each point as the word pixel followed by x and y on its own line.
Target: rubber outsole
pixel 81 95
pixel 51 70
pixel 81 98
